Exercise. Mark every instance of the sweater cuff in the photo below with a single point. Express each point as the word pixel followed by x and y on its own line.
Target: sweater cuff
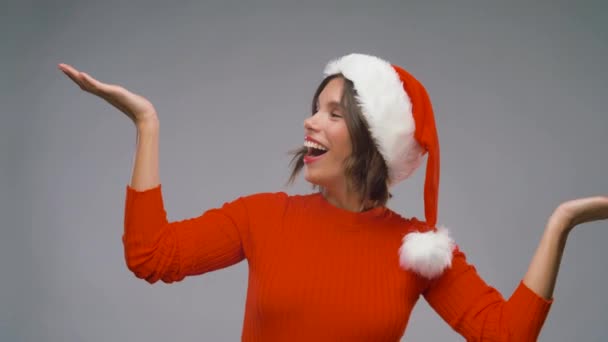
pixel 536 307
pixel 530 295
pixel 144 207
pixel 133 191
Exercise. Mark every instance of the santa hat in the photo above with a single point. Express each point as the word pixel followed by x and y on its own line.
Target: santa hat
pixel 398 111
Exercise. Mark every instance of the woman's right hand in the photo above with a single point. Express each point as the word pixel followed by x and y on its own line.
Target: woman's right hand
pixel 137 108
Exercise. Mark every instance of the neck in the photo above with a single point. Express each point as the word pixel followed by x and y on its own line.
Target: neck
pixel 342 198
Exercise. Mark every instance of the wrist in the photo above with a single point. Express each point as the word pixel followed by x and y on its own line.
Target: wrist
pixel 149 123
pixel 560 223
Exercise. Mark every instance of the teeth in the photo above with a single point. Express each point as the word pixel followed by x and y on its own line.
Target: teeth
pixel 314 145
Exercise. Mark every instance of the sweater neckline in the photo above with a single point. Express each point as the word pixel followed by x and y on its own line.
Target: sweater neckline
pixel 349 217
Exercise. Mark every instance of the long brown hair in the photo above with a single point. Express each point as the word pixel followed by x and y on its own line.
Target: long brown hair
pixel 365 169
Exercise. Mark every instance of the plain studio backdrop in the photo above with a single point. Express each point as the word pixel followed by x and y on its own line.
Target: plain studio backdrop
pixel 519 91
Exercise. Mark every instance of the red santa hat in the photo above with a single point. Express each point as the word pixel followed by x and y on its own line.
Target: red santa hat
pixel 400 116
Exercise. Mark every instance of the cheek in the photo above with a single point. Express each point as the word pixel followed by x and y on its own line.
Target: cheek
pixel 345 144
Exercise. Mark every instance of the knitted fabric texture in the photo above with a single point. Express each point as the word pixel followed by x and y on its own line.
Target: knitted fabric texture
pixel 318 272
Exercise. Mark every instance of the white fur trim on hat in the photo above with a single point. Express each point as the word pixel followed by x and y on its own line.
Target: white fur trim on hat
pixel 428 253
pixel 387 109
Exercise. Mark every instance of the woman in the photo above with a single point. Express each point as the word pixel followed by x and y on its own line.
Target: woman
pixel 338 264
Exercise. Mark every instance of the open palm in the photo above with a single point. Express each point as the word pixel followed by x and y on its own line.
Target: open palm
pixel 136 107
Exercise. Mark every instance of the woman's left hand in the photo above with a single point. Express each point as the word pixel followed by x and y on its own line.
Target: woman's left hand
pixel 575 212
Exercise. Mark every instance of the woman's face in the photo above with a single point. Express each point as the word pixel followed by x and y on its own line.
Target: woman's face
pixel 327 127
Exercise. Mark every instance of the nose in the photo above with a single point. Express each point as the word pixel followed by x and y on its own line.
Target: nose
pixel 310 123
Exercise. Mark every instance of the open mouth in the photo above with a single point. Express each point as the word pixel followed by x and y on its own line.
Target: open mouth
pixel 314 149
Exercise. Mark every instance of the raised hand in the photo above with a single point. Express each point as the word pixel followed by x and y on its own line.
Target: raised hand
pixel 583 210
pixel 136 107
pixel 544 267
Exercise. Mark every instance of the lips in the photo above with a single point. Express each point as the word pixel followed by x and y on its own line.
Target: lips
pixel 308 138
pixel 309 159
pixel 316 150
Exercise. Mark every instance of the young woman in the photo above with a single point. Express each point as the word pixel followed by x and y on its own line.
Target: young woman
pixel 338 264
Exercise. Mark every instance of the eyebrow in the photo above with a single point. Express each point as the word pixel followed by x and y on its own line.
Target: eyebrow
pixel 332 104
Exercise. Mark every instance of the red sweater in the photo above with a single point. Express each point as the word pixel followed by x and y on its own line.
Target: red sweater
pixel 318 272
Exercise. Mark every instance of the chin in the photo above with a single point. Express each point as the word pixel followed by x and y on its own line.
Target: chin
pixel 318 181
pixel 313 179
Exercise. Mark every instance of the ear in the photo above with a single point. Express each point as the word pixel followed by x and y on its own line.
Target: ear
pixel 428 253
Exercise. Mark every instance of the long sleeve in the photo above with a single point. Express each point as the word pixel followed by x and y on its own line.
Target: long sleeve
pixel 156 249
pixel 479 312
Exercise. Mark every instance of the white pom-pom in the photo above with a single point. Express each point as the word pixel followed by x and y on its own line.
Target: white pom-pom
pixel 427 254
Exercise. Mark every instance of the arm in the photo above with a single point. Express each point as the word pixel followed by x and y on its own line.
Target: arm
pixel 140 111
pixel 479 312
pixel 544 267
pixel 145 173
pixel 156 249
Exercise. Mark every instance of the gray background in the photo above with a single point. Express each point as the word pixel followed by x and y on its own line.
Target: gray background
pixel 518 88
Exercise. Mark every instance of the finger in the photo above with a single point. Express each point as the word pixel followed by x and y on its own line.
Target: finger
pixel 103 89
pixel 77 77
pixel 90 80
pixel 96 86
pixel 64 67
pixel 87 80
pixel 83 79
pixel 68 69
pixel 74 77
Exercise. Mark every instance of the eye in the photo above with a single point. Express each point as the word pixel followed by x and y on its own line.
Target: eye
pixel 334 115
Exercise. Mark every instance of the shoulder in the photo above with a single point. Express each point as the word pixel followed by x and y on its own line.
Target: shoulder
pixel 275 202
pixel 264 201
pixel 265 197
pixel 279 197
